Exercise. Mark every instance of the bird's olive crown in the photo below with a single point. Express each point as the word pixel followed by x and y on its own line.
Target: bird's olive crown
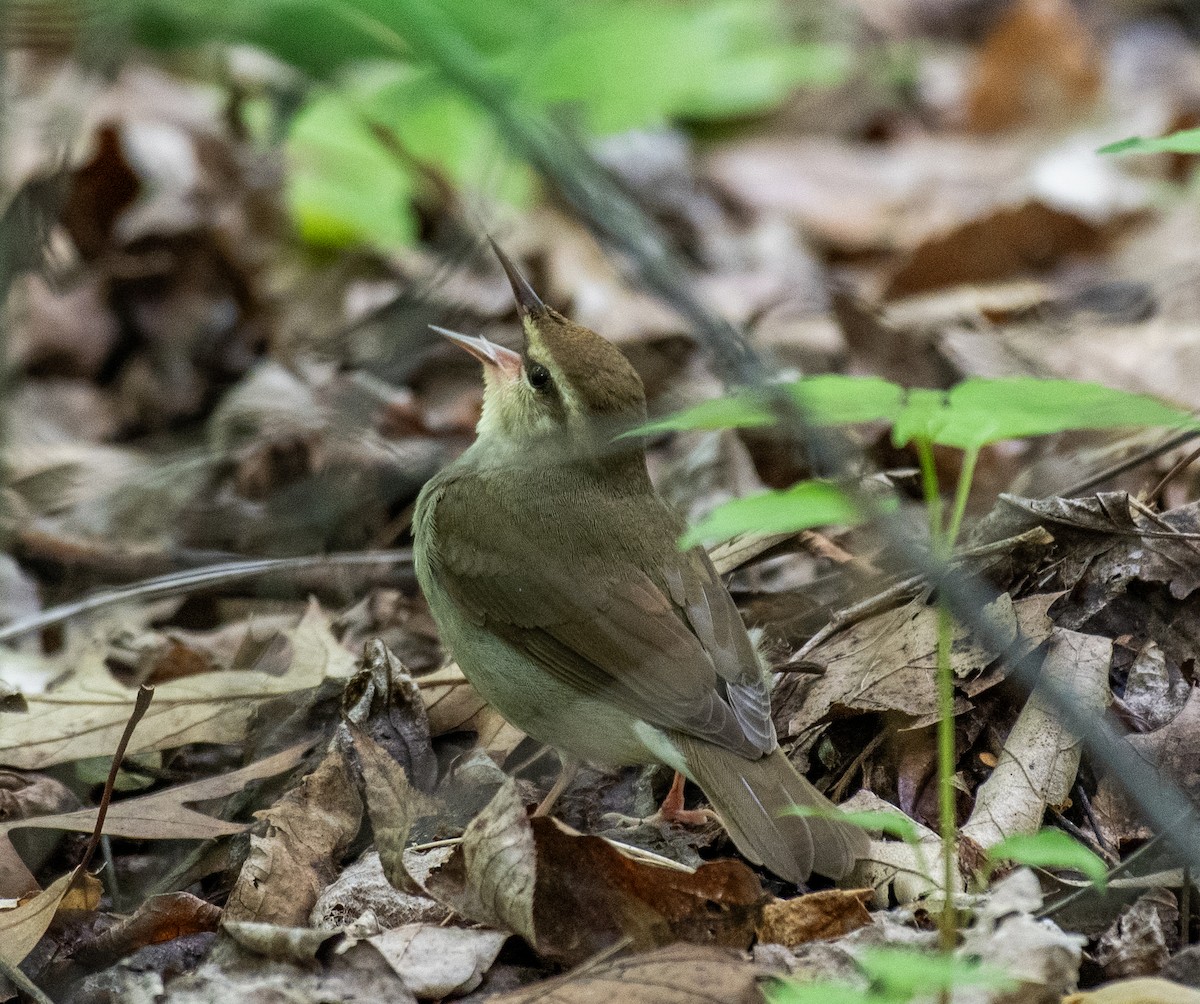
pixel 590 375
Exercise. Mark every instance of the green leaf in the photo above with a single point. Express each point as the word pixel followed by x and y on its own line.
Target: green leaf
pixel 1184 141
pixel 1051 848
pixel 823 992
pixel 906 972
pixel 801 507
pixel 343 187
pixel 832 399
pixel 980 411
pixel 745 410
pixel 826 400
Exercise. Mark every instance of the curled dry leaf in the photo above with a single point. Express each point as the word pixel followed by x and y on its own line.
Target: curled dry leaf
pixel 1038 764
pixel 384 700
pixel 827 914
pixel 678 974
pixel 1141 940
pixel 161 918
pixel 1172 749
pixel 86 715
pixel 571 895
pixel 567 894
pixel 887 663
pixel 308 830
pixel 22 927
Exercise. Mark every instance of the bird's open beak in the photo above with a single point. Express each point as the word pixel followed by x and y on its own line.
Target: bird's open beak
pixel 504 362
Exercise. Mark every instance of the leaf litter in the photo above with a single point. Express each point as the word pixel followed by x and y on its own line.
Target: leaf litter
pixel 195 387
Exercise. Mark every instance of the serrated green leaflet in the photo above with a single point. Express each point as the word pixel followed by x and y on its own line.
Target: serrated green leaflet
pixel 801 507
pixel 1051 848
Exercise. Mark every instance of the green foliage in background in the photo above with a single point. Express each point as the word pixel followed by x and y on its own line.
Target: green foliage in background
pixel 607 65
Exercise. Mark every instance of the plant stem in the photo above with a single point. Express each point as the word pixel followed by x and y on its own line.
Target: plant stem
pixel 941 543
pixel 946 760
pixel 961 491
pixel 932 493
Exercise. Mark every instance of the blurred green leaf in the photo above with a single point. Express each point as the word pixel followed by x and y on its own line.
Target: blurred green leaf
pixel 344 187
pixel 1051 848
pixel 1184 141
pixel 616 64
pixel 801 507
pixel 906 972
pixel 746 410
pixel 832 399
pixel 824 992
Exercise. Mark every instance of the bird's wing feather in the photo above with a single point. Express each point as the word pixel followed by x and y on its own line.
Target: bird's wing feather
pixel 652 629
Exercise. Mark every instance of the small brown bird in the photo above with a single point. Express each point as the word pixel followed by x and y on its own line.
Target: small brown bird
pixel 552 569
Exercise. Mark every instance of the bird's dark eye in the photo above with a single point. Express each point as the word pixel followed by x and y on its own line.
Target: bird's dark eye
pixel 538 376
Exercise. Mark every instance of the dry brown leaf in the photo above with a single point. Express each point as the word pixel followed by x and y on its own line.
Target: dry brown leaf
pixel 1039 64
pixel 1040 758
pixel 827 914
pixel 887 663
pixel 1172 750
pixel 1141 940
pixel 86 715
pixel 308 830
pixel 571 896
pixel 393 805
pixel 678 974
pixel 1009 241
pixel 160 918
pixel 164 815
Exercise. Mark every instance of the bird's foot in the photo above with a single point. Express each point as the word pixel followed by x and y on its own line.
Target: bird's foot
pixel 671 811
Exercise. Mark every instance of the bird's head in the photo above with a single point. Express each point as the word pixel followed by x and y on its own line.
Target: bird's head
pixel 567 388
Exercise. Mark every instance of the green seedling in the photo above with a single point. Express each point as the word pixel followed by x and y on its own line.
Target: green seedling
pixel 970 416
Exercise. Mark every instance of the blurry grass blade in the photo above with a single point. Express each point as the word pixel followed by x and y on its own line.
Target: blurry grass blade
pixel 197 578
pixel 1183 141
pixel 801 507
pixel 741 411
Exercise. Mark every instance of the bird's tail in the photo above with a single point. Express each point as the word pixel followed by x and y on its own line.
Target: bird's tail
pixel 752 797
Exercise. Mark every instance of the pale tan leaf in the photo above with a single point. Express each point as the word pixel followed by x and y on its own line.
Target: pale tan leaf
pixel 436 962
pixel 1139 991
pixel 827 914
pixel 163 815
pixel 1040 758
pixel 87 714
pixel 23 926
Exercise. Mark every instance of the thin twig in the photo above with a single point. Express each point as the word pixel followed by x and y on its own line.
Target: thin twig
pixel 196 578
pixel 1166 478
pixel 140 705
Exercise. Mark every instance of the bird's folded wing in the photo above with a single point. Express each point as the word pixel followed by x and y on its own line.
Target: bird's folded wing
pixel 664 643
